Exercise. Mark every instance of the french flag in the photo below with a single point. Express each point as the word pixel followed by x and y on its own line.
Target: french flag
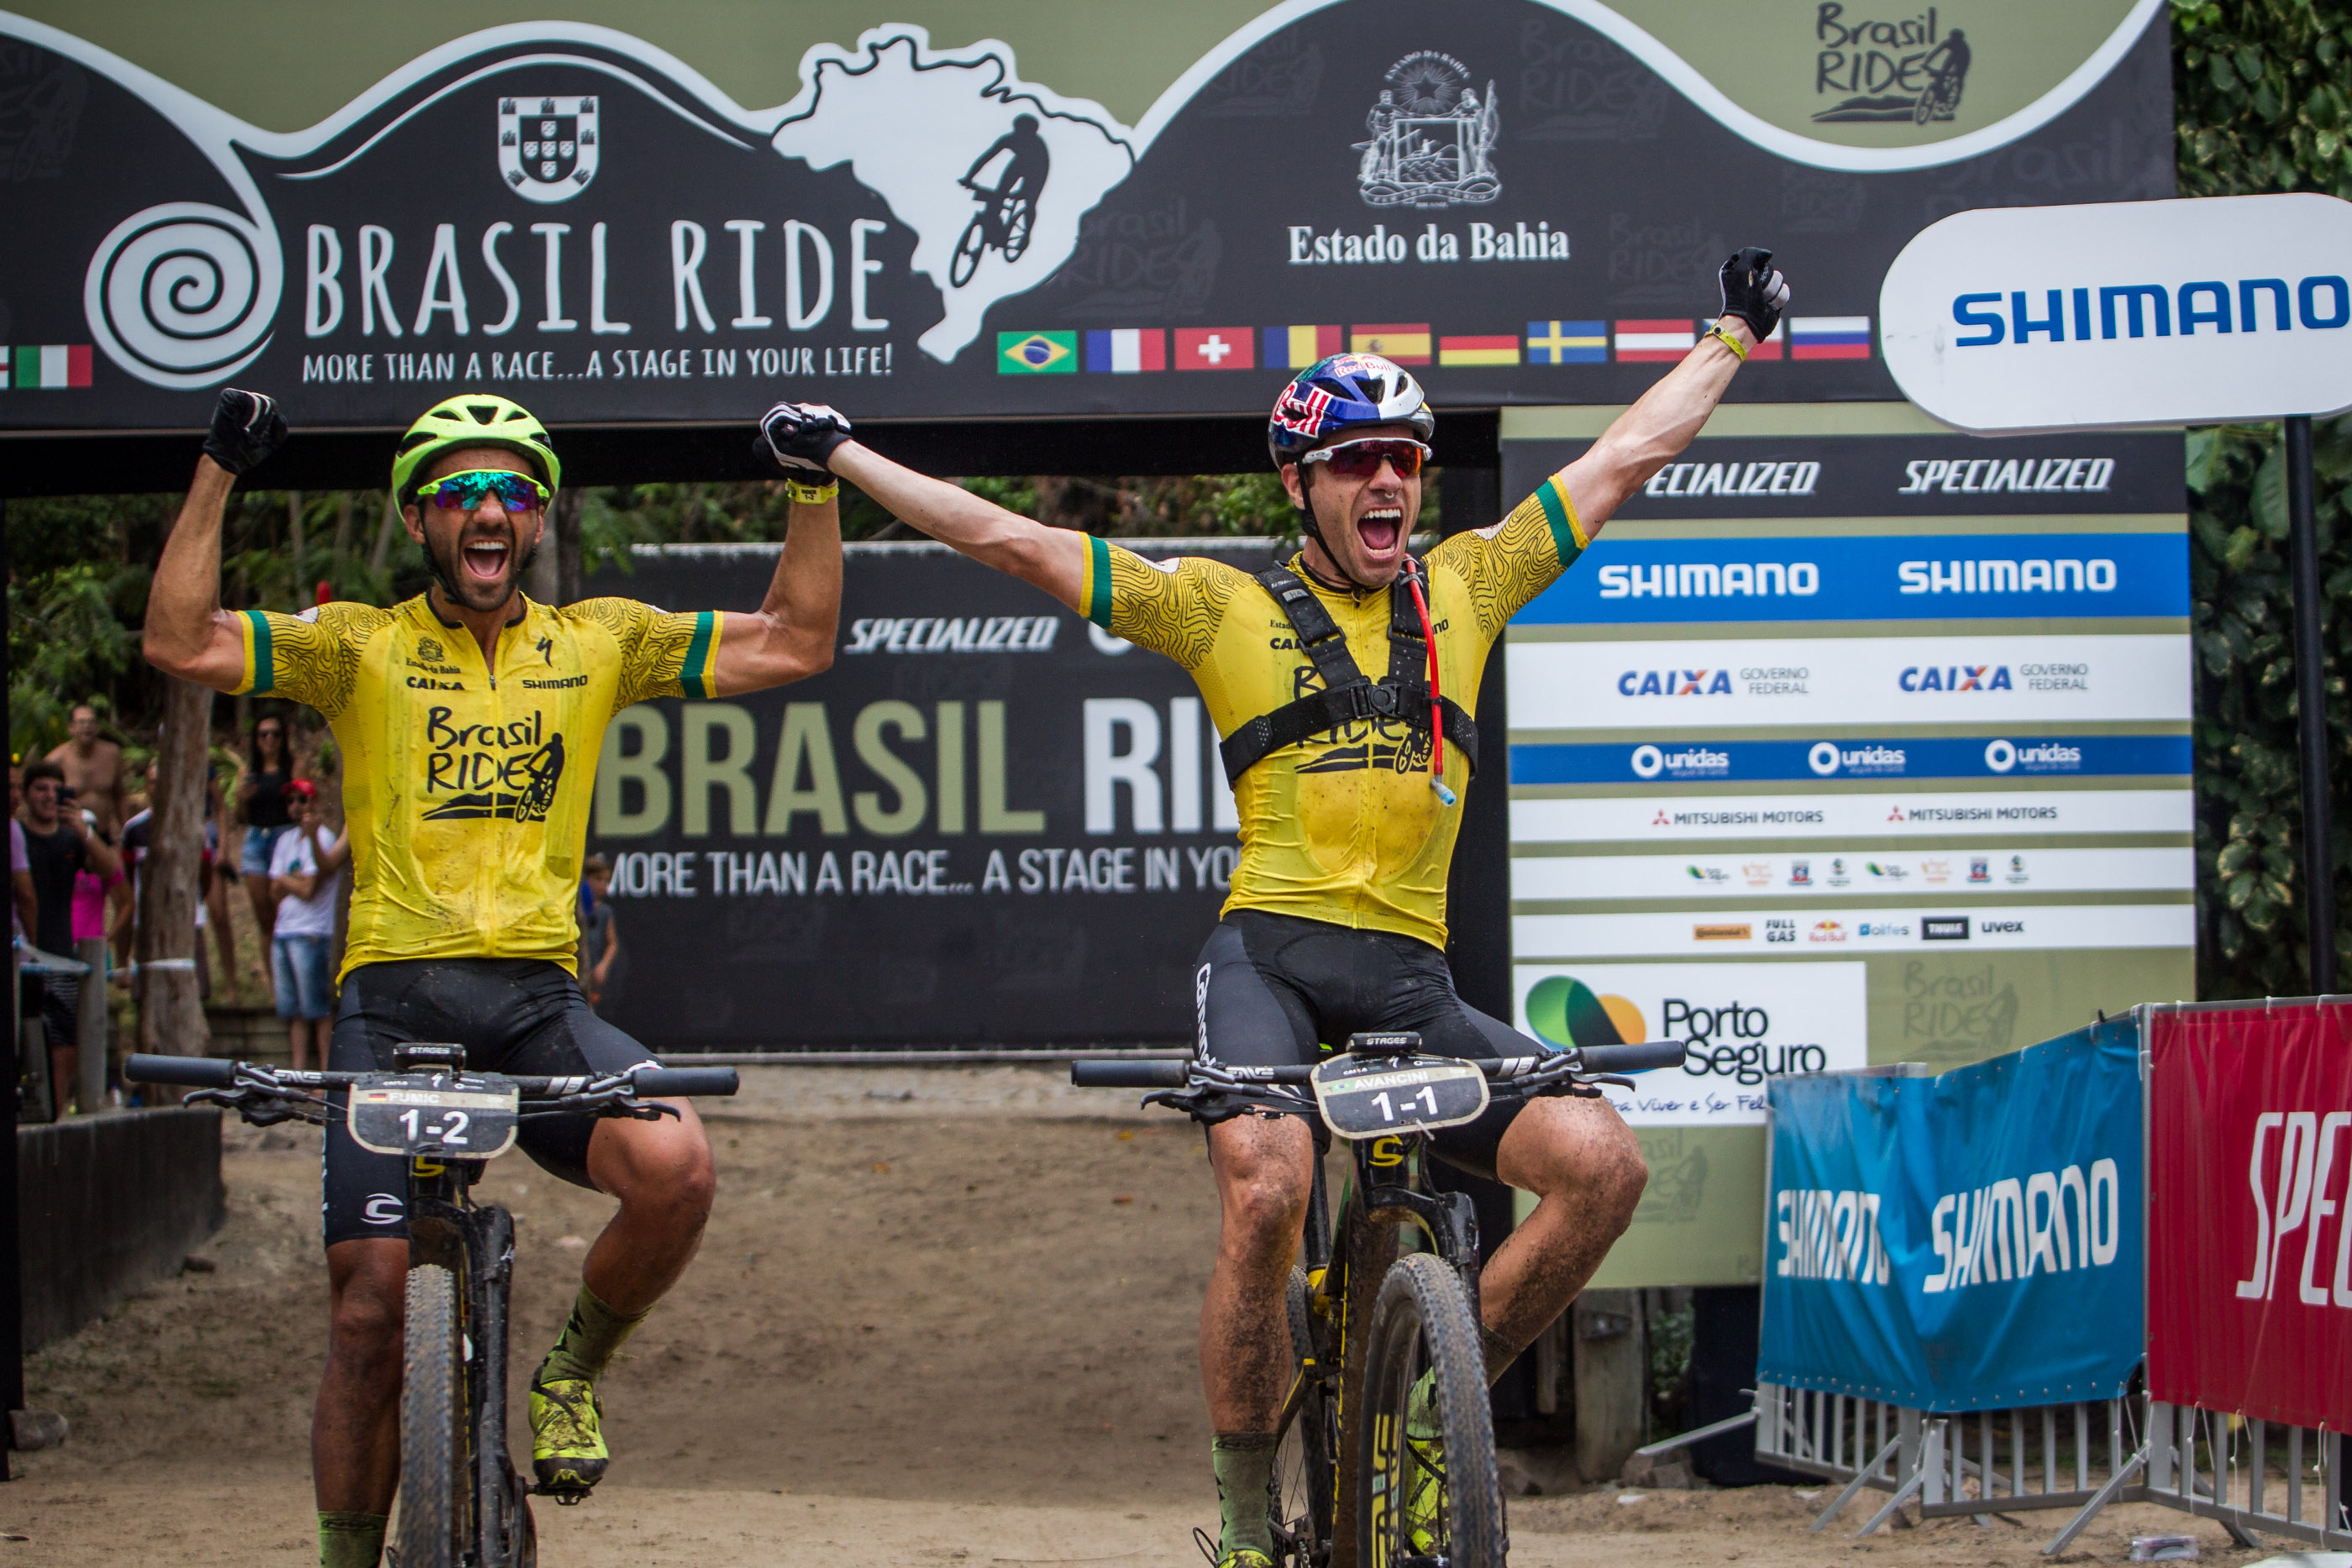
pixel 1829 337
pixel 1127 350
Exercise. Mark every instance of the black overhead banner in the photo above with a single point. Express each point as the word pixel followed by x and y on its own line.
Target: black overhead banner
pixel 1528 199
pixel 988 821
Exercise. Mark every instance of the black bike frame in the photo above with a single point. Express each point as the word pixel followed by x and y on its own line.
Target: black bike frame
pixel 477 1245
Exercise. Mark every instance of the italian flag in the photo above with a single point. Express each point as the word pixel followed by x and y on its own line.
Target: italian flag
pixel 47 364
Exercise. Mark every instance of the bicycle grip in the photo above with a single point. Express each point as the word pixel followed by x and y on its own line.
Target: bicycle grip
pixel 1151 1074
pixel 194 1071
pixel 676 1082
pixel 1633 1058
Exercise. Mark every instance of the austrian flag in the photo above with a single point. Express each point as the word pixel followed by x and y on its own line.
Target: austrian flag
pixel 1216 349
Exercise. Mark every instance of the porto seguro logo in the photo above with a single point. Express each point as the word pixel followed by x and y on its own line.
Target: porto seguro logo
pixel 548 146
pixel 1433 137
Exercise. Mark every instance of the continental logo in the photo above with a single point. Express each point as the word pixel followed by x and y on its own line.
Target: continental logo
pixel 1726 932
pixel 561 683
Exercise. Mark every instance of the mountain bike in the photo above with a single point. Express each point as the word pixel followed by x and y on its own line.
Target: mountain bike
pixel 1385 1443
pixel 462 1503
pixel 1002 223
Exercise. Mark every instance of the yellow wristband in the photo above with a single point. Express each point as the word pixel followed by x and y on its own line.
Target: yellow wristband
pixel 1729 341
pixel 814 495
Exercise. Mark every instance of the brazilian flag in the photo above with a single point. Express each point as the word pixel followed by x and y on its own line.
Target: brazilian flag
pixel 1036 353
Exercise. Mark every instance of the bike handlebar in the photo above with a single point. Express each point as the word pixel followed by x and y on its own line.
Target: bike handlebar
pixel 1633 1058
pixel 216 1072
pixel 194 1071
pixel 1154 1074
pixel 679 1082
pixel 1531 1074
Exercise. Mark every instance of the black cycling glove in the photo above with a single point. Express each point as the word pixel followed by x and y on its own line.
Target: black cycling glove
pixel 1754 292
pixel 800 436
pixel 246 428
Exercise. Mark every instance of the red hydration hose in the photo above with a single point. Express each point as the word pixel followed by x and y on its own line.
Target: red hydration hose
pixel 1436 704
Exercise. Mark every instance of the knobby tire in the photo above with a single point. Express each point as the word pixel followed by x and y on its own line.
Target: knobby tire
pixel 434 1483
pixel 1422 1322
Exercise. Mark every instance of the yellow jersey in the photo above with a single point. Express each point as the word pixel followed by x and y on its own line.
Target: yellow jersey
pixel 1342 827
pixel 467 787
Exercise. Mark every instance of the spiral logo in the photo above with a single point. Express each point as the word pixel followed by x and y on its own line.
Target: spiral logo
pixel 184 295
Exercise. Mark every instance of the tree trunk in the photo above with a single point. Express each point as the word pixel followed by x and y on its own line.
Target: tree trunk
pixel 568 507
pixel 171 1012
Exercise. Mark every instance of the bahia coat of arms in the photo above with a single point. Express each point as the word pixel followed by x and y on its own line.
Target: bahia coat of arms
pixel 1433 137
pixel 547 146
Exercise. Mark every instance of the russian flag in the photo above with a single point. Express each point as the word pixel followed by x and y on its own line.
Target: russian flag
pixel 1829 337
pixel 1127 350
pixel 30 365
pixel 1215 348
pixel 1769 348
pixel 1295 348
pixel 1641 341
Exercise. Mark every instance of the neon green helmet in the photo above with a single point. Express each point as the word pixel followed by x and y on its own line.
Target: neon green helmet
pixel 472 419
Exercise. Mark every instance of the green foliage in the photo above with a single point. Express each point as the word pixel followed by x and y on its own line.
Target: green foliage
pixel 2262 103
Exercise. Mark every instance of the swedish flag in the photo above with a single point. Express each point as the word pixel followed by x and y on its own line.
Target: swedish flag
pixel 1036 353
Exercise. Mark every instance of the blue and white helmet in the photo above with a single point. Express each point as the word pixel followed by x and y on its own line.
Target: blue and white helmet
pixel 1340 392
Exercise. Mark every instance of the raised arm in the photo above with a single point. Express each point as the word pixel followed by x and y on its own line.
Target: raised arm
pixel 1654 432
pixel 188 634
pixel 790 636
pixel 1053 558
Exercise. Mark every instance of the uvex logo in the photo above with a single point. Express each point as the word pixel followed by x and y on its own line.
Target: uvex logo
pixel 1674 684
pixel 2300 1199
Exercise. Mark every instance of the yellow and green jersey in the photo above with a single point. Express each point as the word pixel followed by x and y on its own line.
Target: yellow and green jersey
pixel 467 787
pixel 1343 826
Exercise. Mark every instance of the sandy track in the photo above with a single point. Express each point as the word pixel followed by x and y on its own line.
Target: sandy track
pixel 940 1316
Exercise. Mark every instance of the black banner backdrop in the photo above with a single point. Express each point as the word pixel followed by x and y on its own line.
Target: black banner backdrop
pixel 988 821
pixel 1529 202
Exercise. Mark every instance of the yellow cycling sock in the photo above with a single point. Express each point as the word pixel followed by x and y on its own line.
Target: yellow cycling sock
pixel 590 1336
pixel 1244 1465
pixel 351 1539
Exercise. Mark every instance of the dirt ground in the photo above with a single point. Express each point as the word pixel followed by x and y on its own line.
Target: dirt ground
pixel 940 1316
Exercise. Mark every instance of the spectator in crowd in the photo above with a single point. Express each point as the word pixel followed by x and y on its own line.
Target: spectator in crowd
pixel 261 801
pixel 600 938
pixel 60 840
pixel 93 770
pixel 305 872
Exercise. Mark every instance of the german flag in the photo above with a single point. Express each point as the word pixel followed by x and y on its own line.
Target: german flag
pixel 1503 350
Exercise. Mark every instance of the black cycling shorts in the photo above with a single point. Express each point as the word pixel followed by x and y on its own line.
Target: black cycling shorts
pixel 1272 988
pixel 519 1016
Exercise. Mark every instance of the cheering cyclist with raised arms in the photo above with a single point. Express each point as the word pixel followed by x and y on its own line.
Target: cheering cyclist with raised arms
pixel 470 719
pixel 1318 673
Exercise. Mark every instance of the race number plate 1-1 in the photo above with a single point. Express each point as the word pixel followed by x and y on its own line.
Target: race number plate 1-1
pixel 426 1113
pixel 1373 1097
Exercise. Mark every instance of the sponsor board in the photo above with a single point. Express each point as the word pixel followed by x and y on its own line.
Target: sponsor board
pixel 1747 1024
pixel 1667 819
pixel 1990 680
pixel 1792 931
pixel 1908 757
pixel 1988 874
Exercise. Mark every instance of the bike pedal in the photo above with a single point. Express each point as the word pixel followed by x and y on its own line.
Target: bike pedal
pixel 564 1496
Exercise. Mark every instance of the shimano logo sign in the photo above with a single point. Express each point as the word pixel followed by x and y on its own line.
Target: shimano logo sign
pixel 1825 1234
pixel 1992 475
pixel 2006 576
pixel 2319 303
pixel 1686 480
pixel 1708 579
pixel 2055 1222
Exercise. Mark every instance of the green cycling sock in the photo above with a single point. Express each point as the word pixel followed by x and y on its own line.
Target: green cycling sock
pixel 1244 1466
pixel 590 1336
pixel 1500 1353
pixel 351 1539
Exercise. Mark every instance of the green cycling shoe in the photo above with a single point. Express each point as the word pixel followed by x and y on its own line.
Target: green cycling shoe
pixel 567 1436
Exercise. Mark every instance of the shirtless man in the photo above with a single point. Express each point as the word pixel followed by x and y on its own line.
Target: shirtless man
pixel 93 768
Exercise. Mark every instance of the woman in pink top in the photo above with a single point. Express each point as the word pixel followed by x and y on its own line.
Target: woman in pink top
pixel 91 895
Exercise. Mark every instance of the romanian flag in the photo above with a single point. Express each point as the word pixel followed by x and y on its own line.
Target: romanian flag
pixel 1568 342
pixel 1503 350
pixel 1641 341
pixel 1127 349
pixel 1770 348
pixel 33 365
pixel 1407 344
pixel 1295 348
pixel 1828 336
pixel 1215 348
pixel 1036 353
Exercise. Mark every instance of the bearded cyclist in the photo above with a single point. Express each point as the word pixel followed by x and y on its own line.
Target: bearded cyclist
pixel 470 719
pixel 1347 793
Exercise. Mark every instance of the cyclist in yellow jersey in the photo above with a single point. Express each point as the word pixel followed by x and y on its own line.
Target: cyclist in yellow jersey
pixel 470 719
pixel 1318 678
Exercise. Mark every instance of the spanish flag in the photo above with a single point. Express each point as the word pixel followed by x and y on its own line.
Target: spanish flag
pixel 1407 345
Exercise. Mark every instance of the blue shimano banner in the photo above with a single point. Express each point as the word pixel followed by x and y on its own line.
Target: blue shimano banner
pixel 1970 1241
pixel 1908 577
pixel 1912 756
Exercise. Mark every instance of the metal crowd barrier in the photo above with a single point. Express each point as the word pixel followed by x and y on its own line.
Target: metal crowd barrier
pixel 2245 1468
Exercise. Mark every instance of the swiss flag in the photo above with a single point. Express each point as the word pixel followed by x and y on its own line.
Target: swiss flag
pixel 1216 349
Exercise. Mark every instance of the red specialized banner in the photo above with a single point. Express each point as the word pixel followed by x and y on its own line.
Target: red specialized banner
pixel 2249 1211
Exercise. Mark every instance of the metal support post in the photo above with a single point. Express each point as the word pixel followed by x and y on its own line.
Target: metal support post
pixel 2311 708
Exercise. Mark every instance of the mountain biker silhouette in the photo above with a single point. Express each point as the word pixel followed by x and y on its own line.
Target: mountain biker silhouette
pixel 1008 207
pixel 1948 67
pixel 1024 172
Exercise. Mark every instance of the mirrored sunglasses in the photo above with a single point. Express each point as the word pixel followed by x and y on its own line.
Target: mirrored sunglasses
pixel 1362 459
pixel 466 491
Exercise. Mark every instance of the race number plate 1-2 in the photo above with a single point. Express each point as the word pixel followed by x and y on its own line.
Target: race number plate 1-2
pixel 472 1120
pixel 1373 1097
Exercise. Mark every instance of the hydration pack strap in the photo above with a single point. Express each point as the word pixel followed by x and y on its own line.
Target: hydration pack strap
pixel 1349 696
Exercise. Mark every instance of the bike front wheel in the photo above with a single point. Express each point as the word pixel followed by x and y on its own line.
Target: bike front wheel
pixel 1428 1492
pixel 433 1482
pixel 968 252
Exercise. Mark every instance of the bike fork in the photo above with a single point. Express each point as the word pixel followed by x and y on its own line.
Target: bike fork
pixel 489 1244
